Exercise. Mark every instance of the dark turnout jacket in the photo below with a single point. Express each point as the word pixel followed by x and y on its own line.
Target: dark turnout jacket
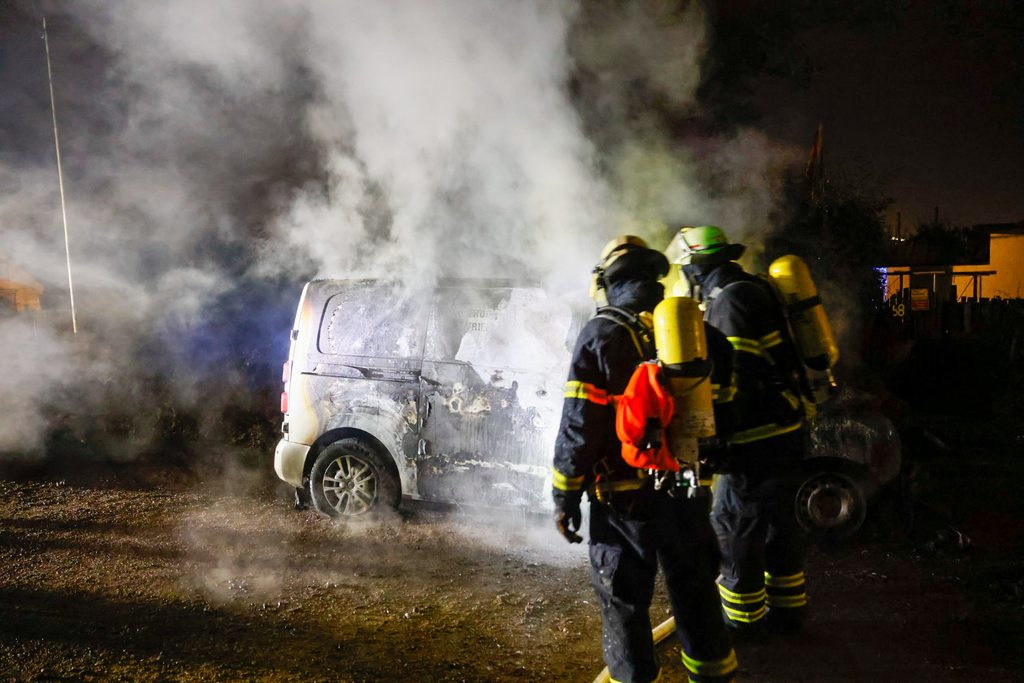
pixel 765 363
pixel 607 352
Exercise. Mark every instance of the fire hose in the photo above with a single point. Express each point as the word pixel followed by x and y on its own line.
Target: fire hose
pixel 659 633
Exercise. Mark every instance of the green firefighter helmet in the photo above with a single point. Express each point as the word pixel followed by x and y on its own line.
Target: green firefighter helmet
pixel 705 244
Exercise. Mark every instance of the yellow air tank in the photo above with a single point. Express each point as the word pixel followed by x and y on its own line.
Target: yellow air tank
pixel 808 321
pixel 683 353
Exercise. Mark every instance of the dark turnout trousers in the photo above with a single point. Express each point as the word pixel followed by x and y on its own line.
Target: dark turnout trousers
pixel 762 544
pixel 624 556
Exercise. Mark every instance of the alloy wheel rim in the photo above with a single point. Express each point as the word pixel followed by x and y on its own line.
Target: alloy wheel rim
pixel 350 485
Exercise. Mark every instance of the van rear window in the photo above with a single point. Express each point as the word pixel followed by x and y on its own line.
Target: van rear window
pixel 375 321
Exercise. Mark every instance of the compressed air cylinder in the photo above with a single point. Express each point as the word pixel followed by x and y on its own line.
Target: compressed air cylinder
pixel 675 282
pixel 808 321
pixel 683 353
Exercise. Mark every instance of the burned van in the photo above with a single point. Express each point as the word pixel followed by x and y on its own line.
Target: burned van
pixel 451 394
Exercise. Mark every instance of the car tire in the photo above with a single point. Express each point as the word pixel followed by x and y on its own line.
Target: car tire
pixel 831 502
pixel 350 478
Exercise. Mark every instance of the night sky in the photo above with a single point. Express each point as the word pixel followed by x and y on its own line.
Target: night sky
pixel 927 95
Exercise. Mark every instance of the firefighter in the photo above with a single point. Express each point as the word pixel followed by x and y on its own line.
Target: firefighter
pixel 762 570
pixel 634 527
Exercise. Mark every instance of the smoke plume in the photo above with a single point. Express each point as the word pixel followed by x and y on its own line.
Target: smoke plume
pixel 217 155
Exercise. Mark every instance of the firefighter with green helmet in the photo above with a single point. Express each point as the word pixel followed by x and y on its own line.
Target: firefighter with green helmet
pixel 762 568
pixel 635 525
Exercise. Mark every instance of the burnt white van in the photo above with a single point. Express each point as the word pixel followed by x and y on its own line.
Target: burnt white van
pixel 449 394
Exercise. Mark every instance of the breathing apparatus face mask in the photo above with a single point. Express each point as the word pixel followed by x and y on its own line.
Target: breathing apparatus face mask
pixel 598 287
pixel 692 277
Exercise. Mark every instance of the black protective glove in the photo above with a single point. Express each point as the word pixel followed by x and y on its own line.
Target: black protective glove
pixel 568 517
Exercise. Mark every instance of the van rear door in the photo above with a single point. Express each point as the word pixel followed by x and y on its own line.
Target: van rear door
pixel 364 366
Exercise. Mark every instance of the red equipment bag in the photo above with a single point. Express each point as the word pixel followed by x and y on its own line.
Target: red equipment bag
pixel 641 415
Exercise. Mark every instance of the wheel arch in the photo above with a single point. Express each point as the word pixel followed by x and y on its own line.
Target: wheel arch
pixel 836 464
pixel 332 435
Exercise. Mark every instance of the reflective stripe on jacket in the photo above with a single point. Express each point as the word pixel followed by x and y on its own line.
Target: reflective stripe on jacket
pixel 606 354
pixel 765 362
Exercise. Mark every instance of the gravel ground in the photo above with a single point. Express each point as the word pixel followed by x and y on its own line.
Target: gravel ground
pixel 153 575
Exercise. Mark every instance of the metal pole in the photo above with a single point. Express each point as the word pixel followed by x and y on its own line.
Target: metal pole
pixel 60 179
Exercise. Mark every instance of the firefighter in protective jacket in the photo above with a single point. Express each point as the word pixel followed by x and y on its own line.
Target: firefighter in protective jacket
pixel 762 576
pixel 633 526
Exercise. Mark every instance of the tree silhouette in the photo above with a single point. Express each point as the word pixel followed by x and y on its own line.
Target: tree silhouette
pixel 839 230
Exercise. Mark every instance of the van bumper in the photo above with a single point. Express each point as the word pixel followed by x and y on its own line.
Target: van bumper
pixel 290 461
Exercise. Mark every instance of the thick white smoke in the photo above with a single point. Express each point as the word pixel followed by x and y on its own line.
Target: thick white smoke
pixel 23 395
pixel 446 141
pixel 212 144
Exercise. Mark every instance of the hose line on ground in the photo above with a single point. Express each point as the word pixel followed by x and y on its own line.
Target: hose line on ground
pixel 659 632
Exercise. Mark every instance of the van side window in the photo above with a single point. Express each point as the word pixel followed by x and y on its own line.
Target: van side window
pixel 456 315
pixel 375 321
pixel 502 328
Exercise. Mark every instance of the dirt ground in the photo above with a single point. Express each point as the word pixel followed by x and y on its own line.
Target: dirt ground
pixel 154 575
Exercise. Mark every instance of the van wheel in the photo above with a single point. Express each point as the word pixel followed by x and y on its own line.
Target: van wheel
pixel 831 504
pixel 349 479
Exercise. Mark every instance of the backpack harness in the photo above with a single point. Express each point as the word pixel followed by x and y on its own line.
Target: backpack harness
pixel 645 408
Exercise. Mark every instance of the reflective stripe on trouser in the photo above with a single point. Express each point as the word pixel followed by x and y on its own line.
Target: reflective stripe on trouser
pixel 786 591
pixel 720 669
pixel 743 608
pixel 656 680
pixel 624 557
pixel 757 531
